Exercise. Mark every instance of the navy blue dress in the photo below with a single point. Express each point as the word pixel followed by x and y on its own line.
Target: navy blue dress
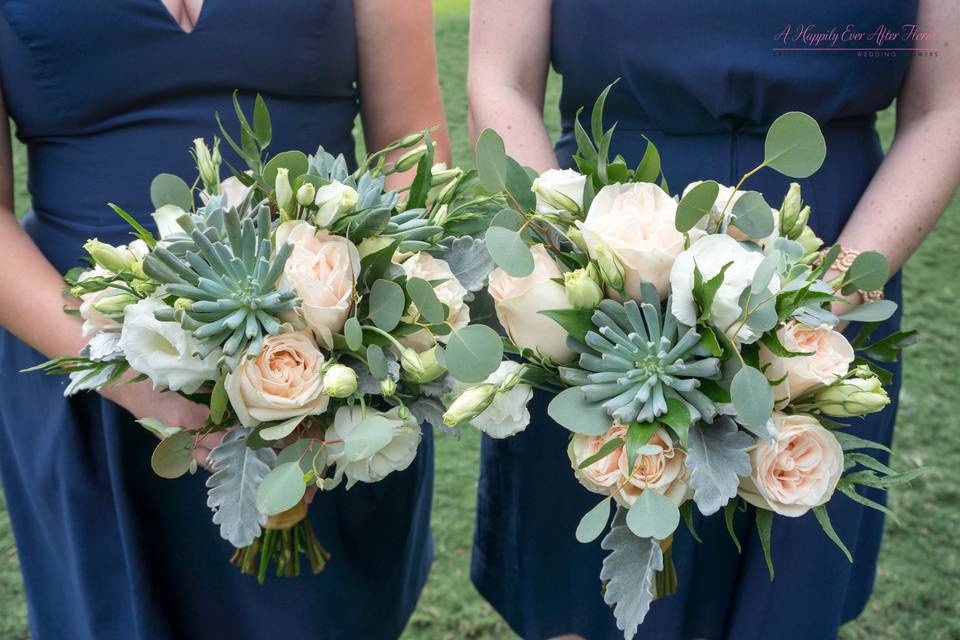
pixel 701 80
pixel 106 94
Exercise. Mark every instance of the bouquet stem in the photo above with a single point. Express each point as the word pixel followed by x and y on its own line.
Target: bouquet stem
pixel 666 581
pixel 285 537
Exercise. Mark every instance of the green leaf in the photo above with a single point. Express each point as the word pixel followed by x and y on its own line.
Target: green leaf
pixel 794 145
pixel 686 512
pixel 824 519
pixel 638 434
pixel 677 418
pixel 281 489
pixel 868 272
pixel 752 215
pixel 353 334
pixel 422 294
pixel 509 251
pixel 729 510
pixel 508 219
pixel 570 410
pixel 158 427
pixel 593 522
pixel 649 167
pixel 752 397
pixel 420 188
pixel 765 272
pixel 262 128
pixel 281 429
pixel 473 353
pixel 653 515
pixel 377 361
pixel 708 340
pixel 629 573
pixel 772 342
pixel 387 304
pixel 519 185
pixel 706 292
pixel 377 264
pixel 173 456
pixel 850 442
pixel 877 311
pixel 764 528
pixel 608 447
pixel 887 349
pixel 294 161
pixel 596 116
pixel 697 203
pixel 167 188
pixel 218 401
pixel 576 322
pixel 301 451
pixel 371 435
pixel 491 161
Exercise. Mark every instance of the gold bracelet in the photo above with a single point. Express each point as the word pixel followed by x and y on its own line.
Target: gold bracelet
pixel 843 262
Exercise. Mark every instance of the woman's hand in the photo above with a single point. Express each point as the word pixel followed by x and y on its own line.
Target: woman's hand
pixel 143 401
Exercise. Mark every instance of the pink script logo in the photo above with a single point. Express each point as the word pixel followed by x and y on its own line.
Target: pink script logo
pixel 809 37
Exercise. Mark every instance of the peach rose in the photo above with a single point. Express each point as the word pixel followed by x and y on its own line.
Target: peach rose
pixel 831 359
pixel 323 270
pixel 637 222
pixel 282 382
pixel 450 292
pixel 660 468
pixel 518 300
pixel 795 472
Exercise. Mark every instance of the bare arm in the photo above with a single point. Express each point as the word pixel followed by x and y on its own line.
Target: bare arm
pixel 918 177
pixel 509 62
pixel 399 91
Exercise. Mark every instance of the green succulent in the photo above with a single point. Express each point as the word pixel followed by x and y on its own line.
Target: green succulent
pixel 223 270
pixel 637 358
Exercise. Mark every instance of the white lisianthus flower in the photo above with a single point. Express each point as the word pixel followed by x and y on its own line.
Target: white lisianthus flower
pixel 559 190
pixel 710 254
pixel 166 220
pixel 164 351
pixel 335 200
pixel 94 320
pixel 449 292
pixel 507 414
pixel 395 456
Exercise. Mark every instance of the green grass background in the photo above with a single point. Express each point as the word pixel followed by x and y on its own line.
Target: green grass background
pixel 919 572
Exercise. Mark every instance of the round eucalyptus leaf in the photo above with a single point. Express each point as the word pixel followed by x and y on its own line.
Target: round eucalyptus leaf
pixel 167 188
pixel 764 273
pixel 294 161
pixel 868 272
pixel 508 219
pixel 697 203
pixel 752 397
pixel 491 161
pixel 653 515
pixel 281 429
pixel 387 304
pixel 173 456
pixel 281 489
pixel 473 353
pixel 752 215
pixel 594 522
pixel 302 451
pixel 353 334
pixel 371 435
pixel 425 298
pixel 509 251
pixel 570 410
pixel 794 145
pixel 871 312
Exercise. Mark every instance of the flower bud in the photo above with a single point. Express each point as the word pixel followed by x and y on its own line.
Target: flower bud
pixel 334 200
pixel 284 192
pixel 421 367
pixel 790 211
pixel 340 381
pixel 410 159
pixel 583 287
pixel 809 241
pixel 576 237
pixel 469 404
pixel 114 304
pixel 109 257
pixel 182 304
pixel 441 175
pixel 305 194
pixel 852 397
pixel 388 388
pixel 611 271
pixel 208 164
pixel 440 215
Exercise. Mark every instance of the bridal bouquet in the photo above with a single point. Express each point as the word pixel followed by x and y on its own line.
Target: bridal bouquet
pixel 321 318
pixel 689 346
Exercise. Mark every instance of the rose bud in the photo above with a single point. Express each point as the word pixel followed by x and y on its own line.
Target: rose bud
pixel 340 381
pixel 421 367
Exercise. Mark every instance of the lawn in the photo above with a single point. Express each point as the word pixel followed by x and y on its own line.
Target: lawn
pixel 920 562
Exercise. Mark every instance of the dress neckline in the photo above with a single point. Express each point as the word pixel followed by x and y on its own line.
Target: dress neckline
pixel 172 19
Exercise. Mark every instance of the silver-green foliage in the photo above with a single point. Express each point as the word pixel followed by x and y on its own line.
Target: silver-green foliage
pixel 629 571
pixel 717 457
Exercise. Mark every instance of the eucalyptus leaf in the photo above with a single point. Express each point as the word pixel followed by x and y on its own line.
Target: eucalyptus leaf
pixel 697 203
pixel 473 353
pixel 294 161
pixel 629 572
pixel 158 427
pixel 238 471
pixel 218 400
pixel 377 362
pixel 765 272
pixel 353 334
pixel 167 188
pixel 877 311
pixel 302 451
pixel 794 145
pixel 387 304
pixel 752 397
pixel 423 296
pixel 491 161
pixel 570 410
pixel 509 250
pixel 869 271
pixel 368 437
pixel 717 458
pixel 653 515
pixel 281 489
pixel 173 456
pixel 281 429
pixel 752 215
pixel 593 522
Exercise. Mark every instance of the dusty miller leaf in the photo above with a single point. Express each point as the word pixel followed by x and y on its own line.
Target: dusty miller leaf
pixel 237 472
pixel 629 571
pixel 717 458
pixel 469 261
